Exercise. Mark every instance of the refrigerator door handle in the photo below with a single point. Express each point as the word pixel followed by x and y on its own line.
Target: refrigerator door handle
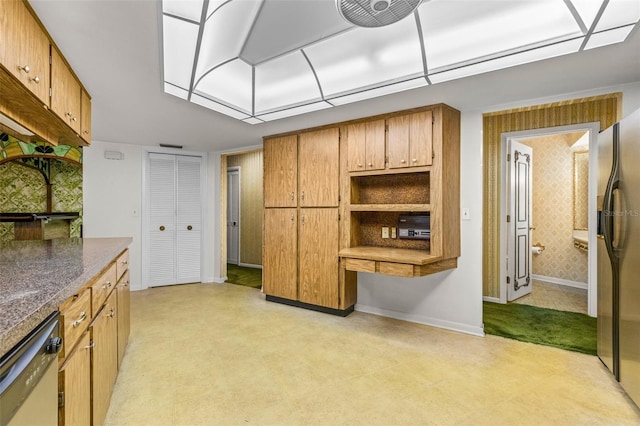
pixel 608 211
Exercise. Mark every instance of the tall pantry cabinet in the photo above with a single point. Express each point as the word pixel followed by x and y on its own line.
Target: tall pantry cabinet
pixel 301 220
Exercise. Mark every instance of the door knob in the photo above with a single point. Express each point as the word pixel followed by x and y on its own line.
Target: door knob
pixel 162 228
pixel 189 228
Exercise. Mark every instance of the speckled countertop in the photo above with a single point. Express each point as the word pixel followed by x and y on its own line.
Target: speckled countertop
pixel 37 276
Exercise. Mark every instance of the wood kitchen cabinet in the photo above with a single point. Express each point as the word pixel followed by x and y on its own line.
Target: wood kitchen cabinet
pixel 409 140
pixel 25 48
pixel 300 246
pixel 85 116
pixel 95 323
pixel 65 92
pixel 104 358
pixel 74 383
pixel 366 146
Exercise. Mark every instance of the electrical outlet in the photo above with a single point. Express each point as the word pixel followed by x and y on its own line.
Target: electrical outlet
pixel 385 232
pixel 466 215
pixel 393 232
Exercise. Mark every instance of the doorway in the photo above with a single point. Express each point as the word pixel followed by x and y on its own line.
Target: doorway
pixel 233 215
pixel 548 225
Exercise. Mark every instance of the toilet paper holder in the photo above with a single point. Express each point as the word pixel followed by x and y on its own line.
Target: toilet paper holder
pixel 537 248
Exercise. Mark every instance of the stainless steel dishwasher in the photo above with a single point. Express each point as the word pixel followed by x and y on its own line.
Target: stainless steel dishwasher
pixel 29 378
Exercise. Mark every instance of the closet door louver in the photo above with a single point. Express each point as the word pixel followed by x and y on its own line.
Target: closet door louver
pixel 175 219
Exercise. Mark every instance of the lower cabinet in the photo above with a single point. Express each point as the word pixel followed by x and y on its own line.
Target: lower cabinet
pixel 301 256
pixel 104 358
pixel 88 365
pixel 74 384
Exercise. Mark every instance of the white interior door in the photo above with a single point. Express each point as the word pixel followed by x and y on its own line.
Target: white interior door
pixel 233 216
pixel 519 221
pixel 175 219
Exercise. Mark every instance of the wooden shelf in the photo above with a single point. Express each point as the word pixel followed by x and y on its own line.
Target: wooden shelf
pixel 390 207
pixel 388 254
pixel 391 171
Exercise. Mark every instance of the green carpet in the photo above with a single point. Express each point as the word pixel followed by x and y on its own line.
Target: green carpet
pixel 565 330
pixel 241 275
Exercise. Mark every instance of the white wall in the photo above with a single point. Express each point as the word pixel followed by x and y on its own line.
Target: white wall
pixel 112 198
pixel 450 299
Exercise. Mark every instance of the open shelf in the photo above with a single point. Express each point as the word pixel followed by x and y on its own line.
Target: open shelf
pixel 412 189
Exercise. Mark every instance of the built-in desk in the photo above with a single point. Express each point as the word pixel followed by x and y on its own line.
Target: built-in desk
pixel 40 226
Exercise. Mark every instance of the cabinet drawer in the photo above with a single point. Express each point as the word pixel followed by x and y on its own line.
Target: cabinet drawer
pixel 397 269
pixel 75 316
pixel 102 287
pixel 360 265
pixel 122 264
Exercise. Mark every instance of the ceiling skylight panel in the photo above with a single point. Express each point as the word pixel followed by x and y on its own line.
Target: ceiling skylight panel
pixel 619 13
pixel 379 91
pixel 588 10
pixel 290 112
pixel 605 38
pixel 179 46
pixel 533 55
pixel 188 9
pixel 284 81
pixel 225 33
pixel 215 106
pixel 461 32
pixel 230 83
pixel 367 56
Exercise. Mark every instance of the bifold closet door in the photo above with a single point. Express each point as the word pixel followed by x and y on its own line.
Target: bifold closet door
pixel 175 220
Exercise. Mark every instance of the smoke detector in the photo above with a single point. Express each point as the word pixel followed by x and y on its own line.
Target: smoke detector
pixel 376 13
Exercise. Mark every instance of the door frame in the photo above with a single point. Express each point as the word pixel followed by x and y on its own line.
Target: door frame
pixel 593 128
pixel 145 209
pixel 239 170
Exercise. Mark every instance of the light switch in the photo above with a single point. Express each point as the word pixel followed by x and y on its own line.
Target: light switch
pixel 393 232
pixel 385 232
pixel 466 215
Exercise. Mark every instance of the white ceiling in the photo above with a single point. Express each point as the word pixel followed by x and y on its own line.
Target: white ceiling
pixel 114 48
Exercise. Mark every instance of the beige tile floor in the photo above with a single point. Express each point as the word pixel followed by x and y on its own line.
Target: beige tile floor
pixel 555 296
pixel 218 354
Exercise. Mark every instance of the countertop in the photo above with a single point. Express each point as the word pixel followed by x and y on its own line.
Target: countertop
pixel 36 276
pixel 32 217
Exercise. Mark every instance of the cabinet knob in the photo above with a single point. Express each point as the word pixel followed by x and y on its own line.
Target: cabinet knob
pixel 86 132
pixel 91 346
pixel 74 119
pixel 403 161
pixel 83 316
pixel 370 164
pixel 162 228
pixel 302 196
pixel 359 165
pixel 302 218
pixel 25 68
pixel 189 228
pixel 414 160
pixel 35 79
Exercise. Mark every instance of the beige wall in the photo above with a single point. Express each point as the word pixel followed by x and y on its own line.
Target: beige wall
pixel 250 164
pixel 553 209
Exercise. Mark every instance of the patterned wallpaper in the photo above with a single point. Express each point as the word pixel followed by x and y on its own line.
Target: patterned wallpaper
pixel 23 190
pixel 553 209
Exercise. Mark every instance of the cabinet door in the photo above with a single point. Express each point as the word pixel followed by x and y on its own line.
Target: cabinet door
pixel 189 219
pixel 357 147
pixel 318 257
pixel 124 318
pixel 279 266
pixel 375 145
pixel 410 140
pixel 65 92
pixel 24 48
pixel 85 116
pixel 280 156
pixel 104 358
pixel 319 168
pixel 74 380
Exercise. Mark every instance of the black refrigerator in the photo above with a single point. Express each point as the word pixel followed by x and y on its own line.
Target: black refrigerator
pixel 618 249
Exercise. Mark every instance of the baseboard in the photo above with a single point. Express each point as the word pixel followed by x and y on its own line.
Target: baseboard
pixel 491 299
pixel 219 280
pixel 298 304
pixel 420 319
pixel 560 281
pixel 250 265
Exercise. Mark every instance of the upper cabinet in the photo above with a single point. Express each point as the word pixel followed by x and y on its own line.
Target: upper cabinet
pixel 24 48
pixel 410 140
pixel 366 146
pixel 319 168
pixel 281 171
pixel 65 92
pixel 34 74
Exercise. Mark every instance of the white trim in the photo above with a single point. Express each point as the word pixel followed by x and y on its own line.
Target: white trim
pixel 250 265
pixel 593 129
pixel 219 280
pixel 421 319
pixel 492 299
pixel 561 281
pixel 238 170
